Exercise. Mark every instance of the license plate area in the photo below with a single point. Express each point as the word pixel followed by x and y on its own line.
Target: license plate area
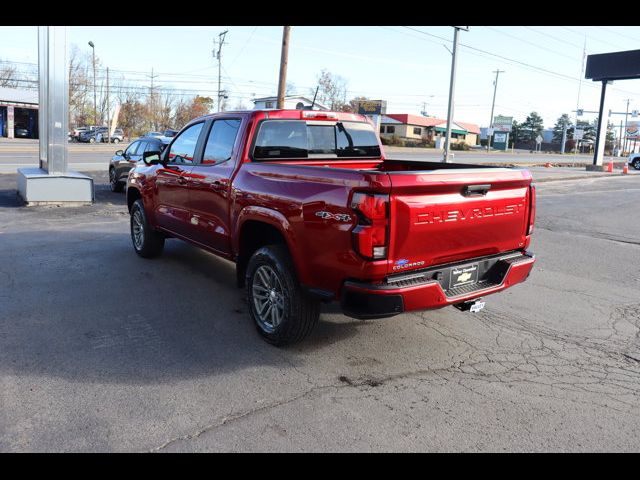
pixel 463 275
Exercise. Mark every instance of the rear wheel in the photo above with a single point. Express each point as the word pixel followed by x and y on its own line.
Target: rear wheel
pixel 282 312
pixel 636 164
pixel 92 140
pixel 146 242
pixel 115 140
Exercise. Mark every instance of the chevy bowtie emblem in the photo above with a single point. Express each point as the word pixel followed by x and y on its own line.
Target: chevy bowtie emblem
pixel 341 217
pixel 464 277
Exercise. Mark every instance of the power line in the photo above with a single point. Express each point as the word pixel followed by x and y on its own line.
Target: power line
pixel 619 34
pixel 531 43
pixel 581 34
pixel 554 38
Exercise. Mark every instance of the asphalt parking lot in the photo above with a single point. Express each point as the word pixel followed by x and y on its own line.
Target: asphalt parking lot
pixel 103 351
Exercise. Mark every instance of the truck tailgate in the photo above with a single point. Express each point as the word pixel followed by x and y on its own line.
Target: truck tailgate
pixel 443 216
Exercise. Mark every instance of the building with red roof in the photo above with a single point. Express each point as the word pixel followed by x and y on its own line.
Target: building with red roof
pixel 416 127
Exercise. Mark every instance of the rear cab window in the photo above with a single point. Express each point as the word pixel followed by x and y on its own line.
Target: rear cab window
pixel 297 139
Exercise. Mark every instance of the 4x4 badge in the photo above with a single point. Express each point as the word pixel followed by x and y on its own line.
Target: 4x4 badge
pixel 341 217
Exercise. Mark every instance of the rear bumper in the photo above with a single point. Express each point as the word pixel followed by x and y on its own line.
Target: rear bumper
pixel 429 288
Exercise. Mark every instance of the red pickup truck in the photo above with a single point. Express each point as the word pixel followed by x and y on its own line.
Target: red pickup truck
pixel 310 210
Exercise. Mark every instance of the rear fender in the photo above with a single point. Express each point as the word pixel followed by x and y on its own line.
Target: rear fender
pixel 278 221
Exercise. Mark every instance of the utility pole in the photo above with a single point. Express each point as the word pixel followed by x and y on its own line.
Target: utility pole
pixel 452 85
pixel 95 102
pixel 221 37
pixel 493 104
pixel 152 100
pixel 564 135
pixel 284 58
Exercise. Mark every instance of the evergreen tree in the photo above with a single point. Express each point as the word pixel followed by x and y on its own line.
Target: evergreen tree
pixel 531 128
pixel 558 128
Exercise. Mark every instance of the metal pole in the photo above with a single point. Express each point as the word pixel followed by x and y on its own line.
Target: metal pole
pixel 602 127
pixel 108 122
pixel 284 58
pixel 626 117
pixel 620 151
pixel 564 136
pixel 495 88
pixel 584 55
pixel 452 85
pixel 95 102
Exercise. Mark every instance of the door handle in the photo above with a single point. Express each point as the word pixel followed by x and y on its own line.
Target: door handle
pixel 476 190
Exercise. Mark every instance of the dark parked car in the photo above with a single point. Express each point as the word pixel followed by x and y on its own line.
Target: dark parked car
pixel 93 136
pixel 123 161
pixel 21 131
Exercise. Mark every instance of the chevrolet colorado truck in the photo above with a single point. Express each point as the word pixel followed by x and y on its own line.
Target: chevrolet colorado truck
pixel 310 210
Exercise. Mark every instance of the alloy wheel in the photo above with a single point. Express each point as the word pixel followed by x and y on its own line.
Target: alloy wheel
pixel 268 298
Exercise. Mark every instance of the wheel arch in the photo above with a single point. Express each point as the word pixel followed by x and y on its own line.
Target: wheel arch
pixel 258 227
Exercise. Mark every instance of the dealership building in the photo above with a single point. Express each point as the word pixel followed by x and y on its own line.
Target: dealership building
pixel 18 113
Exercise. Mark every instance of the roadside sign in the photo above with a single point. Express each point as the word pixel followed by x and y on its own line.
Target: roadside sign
pixel 502 124
pixel 633 130
pixel 490 131
pixel 372 107
pixel 579 133
pixel 539 139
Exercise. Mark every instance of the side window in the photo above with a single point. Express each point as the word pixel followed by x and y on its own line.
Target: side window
pixel 221 139
pixel 153 147
pixel 184 147
pixel 131 149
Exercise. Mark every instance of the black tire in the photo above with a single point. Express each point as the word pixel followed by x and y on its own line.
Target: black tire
pixel 636 164
pixel 146 242
pixel 115 141
pixel 288 314
pixel 116 186
pixel 92 140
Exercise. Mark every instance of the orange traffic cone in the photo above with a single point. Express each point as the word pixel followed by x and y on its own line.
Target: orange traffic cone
pixel 610 167
pixel 547 165
pixel 625 169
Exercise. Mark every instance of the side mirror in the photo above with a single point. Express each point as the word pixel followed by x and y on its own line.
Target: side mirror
pixel 120 153
pixel 151 158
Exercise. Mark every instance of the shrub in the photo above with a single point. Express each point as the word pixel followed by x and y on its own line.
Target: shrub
pixel 393 140
pixel 460 146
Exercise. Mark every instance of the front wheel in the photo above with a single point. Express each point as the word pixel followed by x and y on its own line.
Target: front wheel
pixel 636 164
pixel 146 242
pixel 92 140
pixel 282 312
pixel 115 141
pixel 115 185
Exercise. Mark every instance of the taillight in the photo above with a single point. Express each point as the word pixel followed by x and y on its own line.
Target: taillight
pixel 370 236
pixel 532 208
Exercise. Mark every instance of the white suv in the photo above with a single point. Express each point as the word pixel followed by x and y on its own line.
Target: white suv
pixel 634 160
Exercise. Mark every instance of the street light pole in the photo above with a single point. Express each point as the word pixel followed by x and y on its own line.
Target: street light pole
pixel 95 102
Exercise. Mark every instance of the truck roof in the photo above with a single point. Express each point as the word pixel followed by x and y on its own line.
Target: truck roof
pixel 293 114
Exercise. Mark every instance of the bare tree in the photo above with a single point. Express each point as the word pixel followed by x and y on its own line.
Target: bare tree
pixel 8 77
pixel 332 91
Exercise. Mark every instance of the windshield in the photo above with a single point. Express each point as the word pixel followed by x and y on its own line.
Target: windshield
pixel 293 139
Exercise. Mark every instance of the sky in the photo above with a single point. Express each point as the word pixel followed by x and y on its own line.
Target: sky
pixel 406 66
